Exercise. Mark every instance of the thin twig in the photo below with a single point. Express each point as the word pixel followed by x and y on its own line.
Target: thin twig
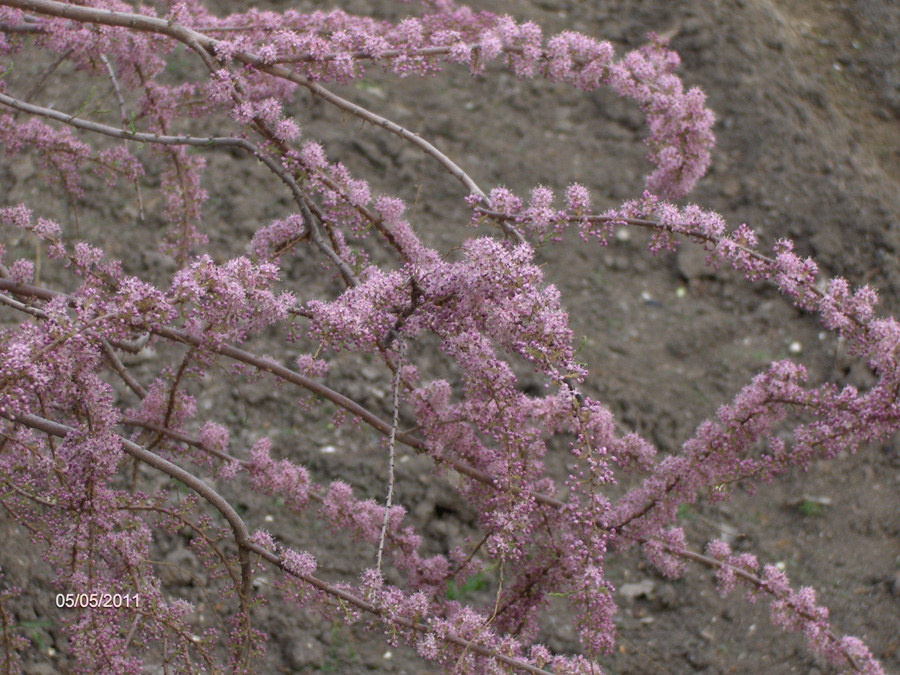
pixel 21 28
pixel 123 114
pixel 22 307
pixel 388 502
pixel 131 346
pixel 501 217
pixel 125 134
pixel 48 71
pixel 184 438
pixel 131 631
pixel 315 236
pixel 759 583
pixel 221 141
pixel 120 368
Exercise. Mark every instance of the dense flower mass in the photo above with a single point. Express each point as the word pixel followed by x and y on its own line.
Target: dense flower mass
pixel 96 463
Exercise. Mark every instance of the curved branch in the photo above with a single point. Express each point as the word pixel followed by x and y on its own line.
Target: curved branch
pixel 646 223
pixel 183 438
pixel 125 134
pixel 359 603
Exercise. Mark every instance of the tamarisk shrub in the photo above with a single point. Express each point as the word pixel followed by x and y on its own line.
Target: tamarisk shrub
pixel 98 457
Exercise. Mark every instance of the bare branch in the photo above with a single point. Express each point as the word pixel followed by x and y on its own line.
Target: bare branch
pixel 120 368
pixel 395 395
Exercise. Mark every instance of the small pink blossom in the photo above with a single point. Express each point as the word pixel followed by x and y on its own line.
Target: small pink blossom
pixel 302 564
pixel 22 272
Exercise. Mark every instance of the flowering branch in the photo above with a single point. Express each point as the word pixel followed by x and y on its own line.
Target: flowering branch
pixel 200 42
pixel 246 543
pixel 485 307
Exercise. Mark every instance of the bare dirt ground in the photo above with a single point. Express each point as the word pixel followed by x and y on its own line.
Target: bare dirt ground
pixel 807 96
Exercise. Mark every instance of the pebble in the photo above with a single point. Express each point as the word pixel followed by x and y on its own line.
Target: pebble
pixel 895 586
pixel 638 590
pixel 39 669
pixel 691 263
pixel 728 534
pixel 308 654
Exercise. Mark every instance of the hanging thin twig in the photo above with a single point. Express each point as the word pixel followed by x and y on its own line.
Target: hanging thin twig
pixel 395 392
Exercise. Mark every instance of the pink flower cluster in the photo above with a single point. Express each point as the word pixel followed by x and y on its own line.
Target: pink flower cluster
pixel 224 303
pixel 59 151
pixel 277 238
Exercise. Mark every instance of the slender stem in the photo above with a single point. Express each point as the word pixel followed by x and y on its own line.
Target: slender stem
pixel 47 72
pixel 120 368
pixel 183 438
pixel 395 392
pixel 22 307
pixel 223 141
pixel 124 134
pixel 123 114
pixel 635 222
pixel 21 28
pixel 420 626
